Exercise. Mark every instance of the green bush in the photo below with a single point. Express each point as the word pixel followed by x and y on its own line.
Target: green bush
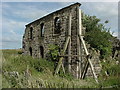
pixel 111 67
pixel 97 35
pixel 111 82
pixel 67 76
pixel 113 74
pixel 114 70
pixel 53 52
pixel 37 66
pixel 20 52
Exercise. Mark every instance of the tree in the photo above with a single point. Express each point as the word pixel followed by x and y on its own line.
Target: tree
pixel 97 35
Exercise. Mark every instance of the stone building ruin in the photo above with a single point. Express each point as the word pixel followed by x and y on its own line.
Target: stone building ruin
pixel 63 28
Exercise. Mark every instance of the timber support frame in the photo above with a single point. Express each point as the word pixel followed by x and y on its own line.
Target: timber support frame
pixel 80 42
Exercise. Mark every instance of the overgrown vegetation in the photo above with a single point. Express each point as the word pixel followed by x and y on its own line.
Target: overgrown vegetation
pixel 53 52
pixel 97 35
pixel 100 38
pixel 110 74
pixel 21 71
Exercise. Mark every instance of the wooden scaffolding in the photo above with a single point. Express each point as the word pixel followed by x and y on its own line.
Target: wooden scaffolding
pixel 80 72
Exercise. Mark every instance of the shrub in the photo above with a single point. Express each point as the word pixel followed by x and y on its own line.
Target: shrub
pixel 97 35
pixel 53 52
pixel 37 66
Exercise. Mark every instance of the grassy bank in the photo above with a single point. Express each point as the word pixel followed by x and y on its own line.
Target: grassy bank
pixel 19 71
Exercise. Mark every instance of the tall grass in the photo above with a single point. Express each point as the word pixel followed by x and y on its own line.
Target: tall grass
pixel 22 71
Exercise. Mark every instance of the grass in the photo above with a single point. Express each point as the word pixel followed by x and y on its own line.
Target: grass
pixel 37 73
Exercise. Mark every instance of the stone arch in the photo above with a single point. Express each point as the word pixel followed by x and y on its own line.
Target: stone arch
pixel 30 50
pixel 42 29
pixel 41 51
pixel 57 25
pixel 31 32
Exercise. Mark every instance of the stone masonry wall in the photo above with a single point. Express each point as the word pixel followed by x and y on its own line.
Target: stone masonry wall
pixel 50 38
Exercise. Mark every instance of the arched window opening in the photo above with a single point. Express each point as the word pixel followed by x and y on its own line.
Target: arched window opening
pixel 42 51
pixel 30 50
pixel 57 25
pixel 31 31
pixel 42 29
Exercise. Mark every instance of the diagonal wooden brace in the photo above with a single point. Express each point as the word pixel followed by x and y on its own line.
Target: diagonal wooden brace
pixel 61 59
pixel 85 70
pixel 91 65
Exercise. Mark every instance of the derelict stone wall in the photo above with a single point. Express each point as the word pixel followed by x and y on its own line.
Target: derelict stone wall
pixel 50 38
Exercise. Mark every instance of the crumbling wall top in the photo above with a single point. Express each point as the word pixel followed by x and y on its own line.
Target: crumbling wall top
pixel 70 6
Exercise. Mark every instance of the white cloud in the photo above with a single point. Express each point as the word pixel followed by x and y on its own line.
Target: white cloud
pixel 30 13
pixel 109 9
pixel 13 26
pixel 10 33
pixel 13 29
pixel 23 12
pixel 104 11
pixel 101 9
pixel 9 24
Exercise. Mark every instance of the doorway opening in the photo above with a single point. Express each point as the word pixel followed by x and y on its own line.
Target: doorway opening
pixel 42 51
pixel 30 49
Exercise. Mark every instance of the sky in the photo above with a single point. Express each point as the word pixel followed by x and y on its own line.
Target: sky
pixel 15 15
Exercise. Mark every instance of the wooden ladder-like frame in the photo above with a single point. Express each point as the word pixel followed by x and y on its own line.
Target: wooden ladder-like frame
pixel 80 41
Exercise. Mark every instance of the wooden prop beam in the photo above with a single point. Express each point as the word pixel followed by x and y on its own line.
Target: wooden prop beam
pixel 83 42
pixel 79 43
pixel 63 68
pixel 91 65
pixel 85 70
pixel 61 59
pixel 69 46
